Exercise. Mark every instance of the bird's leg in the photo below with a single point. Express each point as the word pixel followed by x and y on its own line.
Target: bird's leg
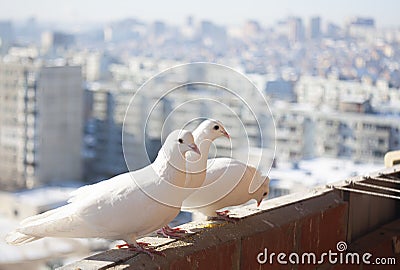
pixel 224 216
pixel 142 247
pixel 167 231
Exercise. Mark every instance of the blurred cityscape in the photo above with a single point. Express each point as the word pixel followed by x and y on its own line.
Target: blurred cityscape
pixel 333 90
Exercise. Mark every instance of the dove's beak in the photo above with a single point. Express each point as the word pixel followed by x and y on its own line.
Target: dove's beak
pixel 259 202
pixel 225 134
pixel 194 148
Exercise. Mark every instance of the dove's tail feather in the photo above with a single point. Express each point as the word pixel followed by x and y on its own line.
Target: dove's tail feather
pixel 17 238
pixel 38 217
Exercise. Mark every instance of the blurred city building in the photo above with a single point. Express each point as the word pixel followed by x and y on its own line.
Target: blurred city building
pixel 315 28
pixel 41 124
pixel 360 26
pixel 56 43
pixel 296 30
pixel 303 133
pixel 6 36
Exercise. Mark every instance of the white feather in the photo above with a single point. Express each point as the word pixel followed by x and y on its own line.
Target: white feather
pixel 196 165
pixel 227 184
pixel 117 208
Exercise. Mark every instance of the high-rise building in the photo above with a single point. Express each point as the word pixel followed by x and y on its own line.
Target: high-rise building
pixel 360 26
pixel 330 92
pixel 360 137
pixel 302 132
pixel 41 124
pixel 296 30
pixel 104 130
pixel 315 28
pixel 6 35
pixel 295 132
pixel 54 42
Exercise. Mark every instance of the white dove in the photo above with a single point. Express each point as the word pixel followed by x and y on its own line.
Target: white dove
pixel 124 207
pixel 228 182
pixel 196 165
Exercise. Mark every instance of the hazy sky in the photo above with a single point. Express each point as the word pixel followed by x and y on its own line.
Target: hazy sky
pixel 385 12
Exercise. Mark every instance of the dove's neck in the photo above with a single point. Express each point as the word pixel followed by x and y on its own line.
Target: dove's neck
pixel 171 166
pixel 197 164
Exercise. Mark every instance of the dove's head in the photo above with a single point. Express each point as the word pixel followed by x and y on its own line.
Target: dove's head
pixel 210 129
pixel 180 141
pixel 171 159
pixel 173 151
pixel 186 142
pixel 262 192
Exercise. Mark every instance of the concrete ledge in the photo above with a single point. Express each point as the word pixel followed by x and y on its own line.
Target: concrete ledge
pixel 320 221
pixel 310 222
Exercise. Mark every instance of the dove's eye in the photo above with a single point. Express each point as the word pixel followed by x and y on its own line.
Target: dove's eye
pixel 265 194
pixel 180 141
pixel 216 127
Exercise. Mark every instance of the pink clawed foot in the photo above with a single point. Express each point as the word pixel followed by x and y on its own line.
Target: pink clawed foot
pixel 142 247
pixel 224 215
pixel 167 231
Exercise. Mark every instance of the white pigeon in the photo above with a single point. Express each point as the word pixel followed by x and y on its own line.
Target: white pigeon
pixel 124 207
pixel 228 182
pixel 196 165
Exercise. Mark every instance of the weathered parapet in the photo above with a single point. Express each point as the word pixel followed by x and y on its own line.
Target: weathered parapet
pixel 312 222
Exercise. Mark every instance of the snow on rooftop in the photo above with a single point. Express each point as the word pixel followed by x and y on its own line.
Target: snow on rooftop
pixel 319 171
